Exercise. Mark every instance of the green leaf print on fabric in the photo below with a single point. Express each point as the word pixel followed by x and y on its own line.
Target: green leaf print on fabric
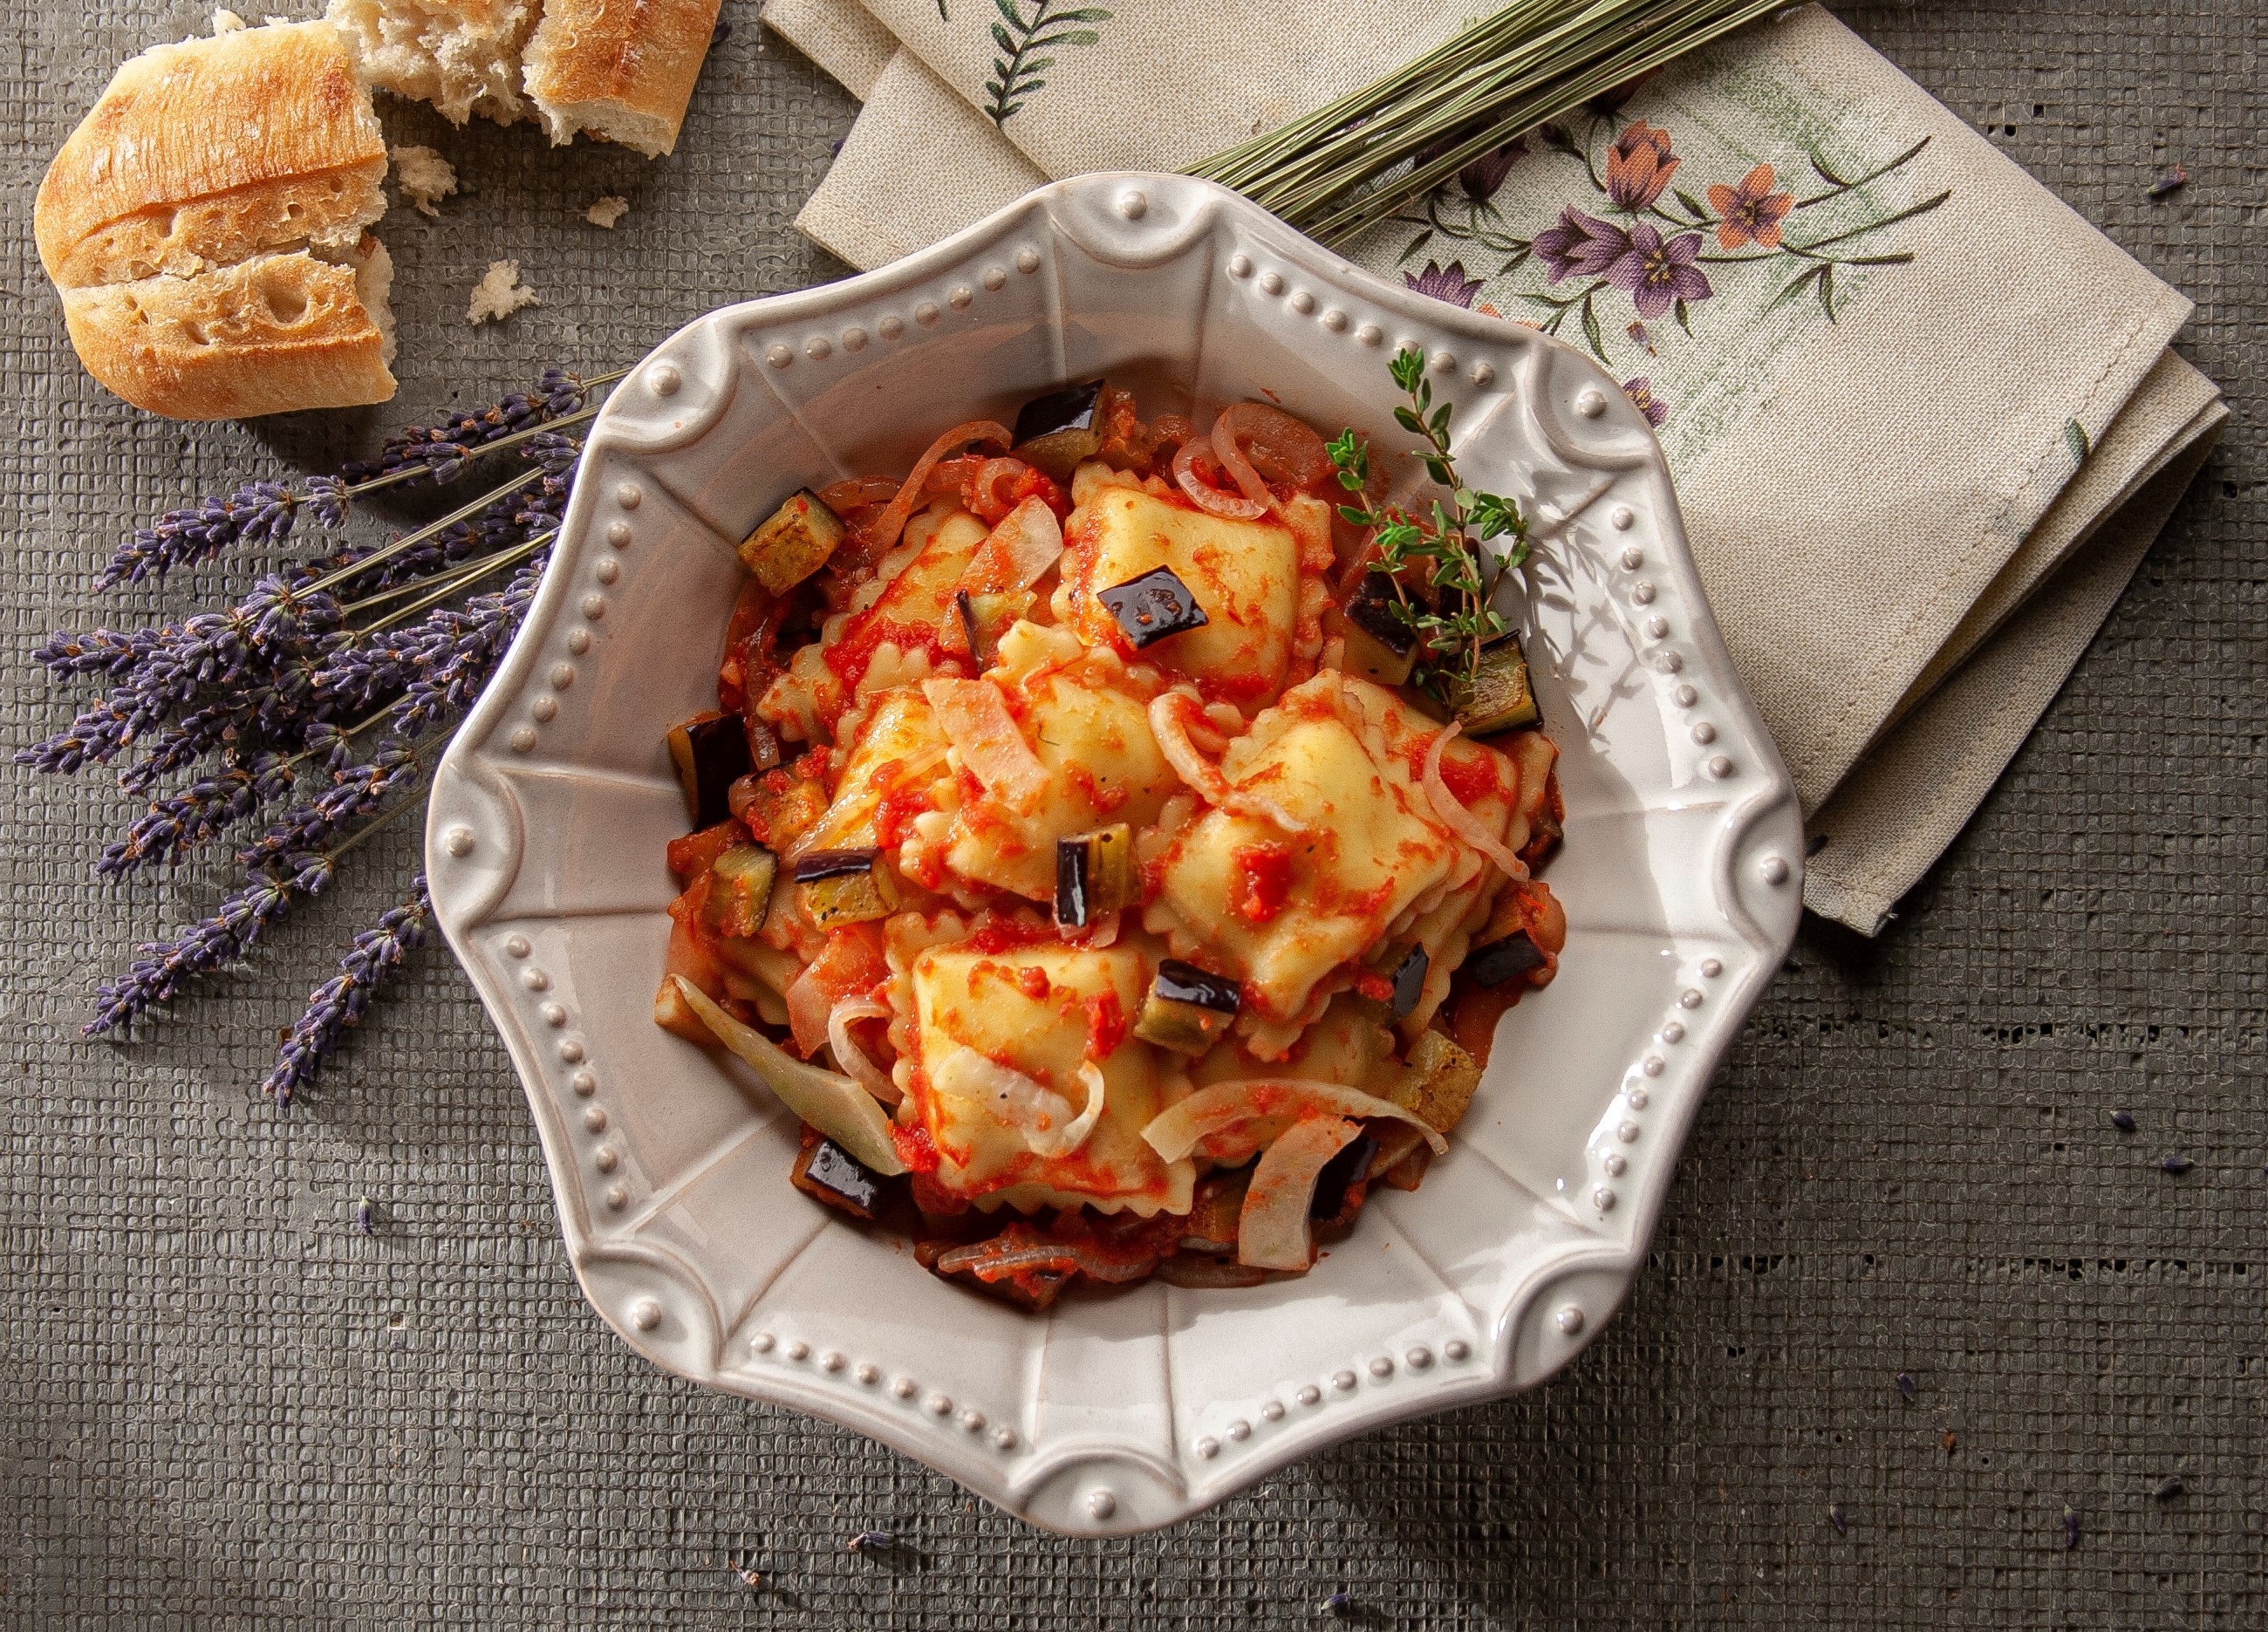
pixel 1027 30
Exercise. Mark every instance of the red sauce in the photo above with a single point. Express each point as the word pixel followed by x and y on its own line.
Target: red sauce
pixel 1373 986
pixel 1032 982
pixel 1105 1025
pixel 896 811
pixel 1468 780
pixel 918 1152
pixel 1005 935
pixel 1263 881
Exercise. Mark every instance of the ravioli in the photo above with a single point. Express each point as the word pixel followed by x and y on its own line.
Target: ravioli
pixel 1245 575
pixel 1089 725
pixel 1371 848
pixel 1041 1009
pixel 896 751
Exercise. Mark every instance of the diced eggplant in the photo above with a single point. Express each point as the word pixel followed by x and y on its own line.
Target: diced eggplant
pixel 1153 607
pixel 1055 431
pixel 710 752
pixel 1499 961
pixel 844 886
pixel 739 890
pixel 1206 1274
pixel 826 1171
pixel 1409 978
pixel 1211 1226
pixel 1095 874
pixel 1499 697
pixel 980 617
pixel 1380 646
pixel 793 542
pixel 1187 1009
pixel 1451 1076
pixel 1340 1188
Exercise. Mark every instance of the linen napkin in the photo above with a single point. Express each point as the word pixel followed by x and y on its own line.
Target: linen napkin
pixel 1902 386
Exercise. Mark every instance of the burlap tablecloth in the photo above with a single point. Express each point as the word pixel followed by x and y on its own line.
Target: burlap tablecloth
pixel 221 1406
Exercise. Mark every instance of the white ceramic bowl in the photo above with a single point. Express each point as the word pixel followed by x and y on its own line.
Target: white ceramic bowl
pixel 1681 871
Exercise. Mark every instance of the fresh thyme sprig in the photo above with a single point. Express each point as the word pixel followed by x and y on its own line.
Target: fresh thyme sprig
pixel 1456 622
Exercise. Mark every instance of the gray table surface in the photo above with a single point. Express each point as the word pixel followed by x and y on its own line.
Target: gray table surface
pixel 221 1406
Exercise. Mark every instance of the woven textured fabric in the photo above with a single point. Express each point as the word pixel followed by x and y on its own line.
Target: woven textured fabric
pixel 220 1406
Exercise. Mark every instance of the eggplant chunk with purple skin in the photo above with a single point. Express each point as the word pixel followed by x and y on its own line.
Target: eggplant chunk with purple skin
pixel 839 888
pixel 1095 874
pixel 1188 1008
pixel 1152 606
pixel 828 1172
pixel 1378 645
pixel 1499 697
pixel 1055 431
pixel 710 752
pixel 793 542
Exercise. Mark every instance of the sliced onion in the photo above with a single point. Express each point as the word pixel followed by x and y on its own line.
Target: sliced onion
pixel 1239 467
pixel 882 533
pixel 851 1057
pixel 1283 448
pixel 1170 727
pixel 1042 1117
pixel 858 493
pixel 1176 737
pixel 981 490
pixel 828 1101
pixel 1172 430
pixel 1203 494
pixel 974 718
pixel 1272 1231
pixel 1456 818
pixel 1025 543
pixel 1222 1109
pixel 1004 1257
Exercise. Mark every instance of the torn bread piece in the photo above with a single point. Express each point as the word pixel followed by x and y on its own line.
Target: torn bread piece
pixel 205 227
pixel 619 69
pixel 422 176
pixel 499 294
pixel 604 212
pixel 461 56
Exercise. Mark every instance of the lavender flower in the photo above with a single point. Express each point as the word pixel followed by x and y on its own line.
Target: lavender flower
pixel 1447 283
pixel 1658 275
pixel 176 825
pixel 1580 246
pixel 260 512
pixel 448 657
pixel 225 937
pixel 342 1000
pixel 356 792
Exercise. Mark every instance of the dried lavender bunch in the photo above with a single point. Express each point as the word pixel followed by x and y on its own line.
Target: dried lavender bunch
pixel 342 1000
pixel 223 938
pixel 265 512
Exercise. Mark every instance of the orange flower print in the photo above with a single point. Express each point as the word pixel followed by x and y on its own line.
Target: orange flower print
pixel 1638 166
pixel 1751 212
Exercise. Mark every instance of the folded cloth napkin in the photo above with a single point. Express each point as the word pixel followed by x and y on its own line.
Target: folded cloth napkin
pixel 1922 415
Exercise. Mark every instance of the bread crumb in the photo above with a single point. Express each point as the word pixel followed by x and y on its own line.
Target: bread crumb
pixel 421 175
pixel 499 294
pixel 227 22
pixel 607 211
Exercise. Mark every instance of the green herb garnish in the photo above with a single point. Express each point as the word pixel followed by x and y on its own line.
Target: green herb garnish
pixel 1452 614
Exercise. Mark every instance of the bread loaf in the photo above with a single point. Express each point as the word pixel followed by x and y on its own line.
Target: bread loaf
pixel 461 56
pixel 620 68
pixel 205 223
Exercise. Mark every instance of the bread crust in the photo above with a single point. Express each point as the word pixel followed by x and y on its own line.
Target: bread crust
pixel 276 333
pixel 245 127
pixel 621 69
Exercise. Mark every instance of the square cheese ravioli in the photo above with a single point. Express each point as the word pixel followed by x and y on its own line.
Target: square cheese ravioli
pixel 1280 910
pixel 1244 574
pixel 1041 1010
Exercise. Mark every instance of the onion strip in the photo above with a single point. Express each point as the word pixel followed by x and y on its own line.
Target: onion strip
pixel 1177 1130
pixel 1023 544
pixel 828 1101
pixel 1041 1116
pixel 882 533
pixel 1456 818
pixel 851 1057
pixel 1233 461
pixel 1203 494
pixel 1272 1230
pixel 974 718
pixel 1170 727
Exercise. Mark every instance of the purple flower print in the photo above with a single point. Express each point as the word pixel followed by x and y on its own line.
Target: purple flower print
pixel 1656 275
pixel 1580 246
pixel 1447 283
pixel 1640 392
pixel 1481 179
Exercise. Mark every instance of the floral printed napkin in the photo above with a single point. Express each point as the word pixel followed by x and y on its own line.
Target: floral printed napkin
pixel 1905 390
